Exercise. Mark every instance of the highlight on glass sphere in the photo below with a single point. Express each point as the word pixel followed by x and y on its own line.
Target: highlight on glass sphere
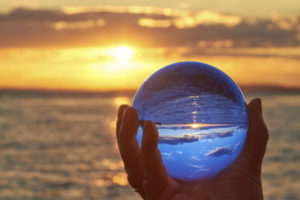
pixel 201 117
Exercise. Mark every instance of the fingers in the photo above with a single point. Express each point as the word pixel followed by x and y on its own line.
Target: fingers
pixel 146 164
pixel 120 116
pixel 155 173
pixel 257 136
pixel 129 148
pixel 128 145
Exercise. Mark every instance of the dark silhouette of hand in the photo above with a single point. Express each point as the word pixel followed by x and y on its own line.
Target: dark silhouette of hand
pixel 148 175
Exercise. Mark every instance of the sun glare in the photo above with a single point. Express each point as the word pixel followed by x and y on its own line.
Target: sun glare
pixel 195 125
pixel 123 54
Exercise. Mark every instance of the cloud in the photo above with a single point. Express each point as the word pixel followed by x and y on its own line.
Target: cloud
pixel 206 18
pixel 178 140
pixel 61 25
pixel 160 23
pixel 174 140
pixel 285 22
pixel 221 151
pixel 190 20
pixel 219 135
pixel 148 27
pixel 199 168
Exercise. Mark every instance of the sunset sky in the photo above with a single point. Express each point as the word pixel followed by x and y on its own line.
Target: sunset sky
pixel 108 45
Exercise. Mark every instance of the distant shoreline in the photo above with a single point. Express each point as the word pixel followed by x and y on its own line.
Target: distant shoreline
pixel 269 88
pixel 125 92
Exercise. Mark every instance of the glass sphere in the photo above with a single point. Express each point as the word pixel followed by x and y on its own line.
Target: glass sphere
pixel 201 117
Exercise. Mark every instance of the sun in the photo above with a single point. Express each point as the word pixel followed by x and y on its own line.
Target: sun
pixel 123 54
pixel 195 125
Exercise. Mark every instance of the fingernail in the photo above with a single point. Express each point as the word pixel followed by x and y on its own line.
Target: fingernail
pixel 147 128
pixel 126 115
pixel 146 125
pixel 121 111
pixel 150 139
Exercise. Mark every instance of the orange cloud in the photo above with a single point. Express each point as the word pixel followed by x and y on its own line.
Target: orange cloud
pixel 207 18
pixel 160 23
pixel 62 25
pixel 286 22
pixel 147 26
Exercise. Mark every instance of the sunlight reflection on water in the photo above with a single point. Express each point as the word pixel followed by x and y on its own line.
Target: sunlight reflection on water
pixel 65 147
pixel 122 100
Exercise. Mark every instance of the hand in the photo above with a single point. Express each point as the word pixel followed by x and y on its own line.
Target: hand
pixel 148 175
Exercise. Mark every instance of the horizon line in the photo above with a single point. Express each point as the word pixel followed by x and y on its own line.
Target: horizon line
pixel 246 88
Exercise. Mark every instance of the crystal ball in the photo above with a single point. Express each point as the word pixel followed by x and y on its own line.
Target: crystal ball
pixel 201 117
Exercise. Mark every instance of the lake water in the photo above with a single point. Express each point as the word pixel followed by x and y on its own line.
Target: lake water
pixel 62 146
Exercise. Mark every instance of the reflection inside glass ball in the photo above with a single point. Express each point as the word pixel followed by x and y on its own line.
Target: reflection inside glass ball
pixel 201 117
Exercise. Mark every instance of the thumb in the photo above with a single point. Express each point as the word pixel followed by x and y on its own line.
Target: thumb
pixel 257 136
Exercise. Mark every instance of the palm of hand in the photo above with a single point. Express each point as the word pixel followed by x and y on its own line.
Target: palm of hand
pixel 236 182
pixel 147 174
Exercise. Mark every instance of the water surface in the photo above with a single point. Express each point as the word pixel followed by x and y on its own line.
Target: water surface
pixel 63 147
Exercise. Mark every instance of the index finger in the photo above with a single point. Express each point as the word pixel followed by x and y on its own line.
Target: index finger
pixel 122 108
pixel 130 150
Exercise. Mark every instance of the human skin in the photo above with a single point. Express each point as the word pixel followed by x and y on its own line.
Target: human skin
pixel 148 175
